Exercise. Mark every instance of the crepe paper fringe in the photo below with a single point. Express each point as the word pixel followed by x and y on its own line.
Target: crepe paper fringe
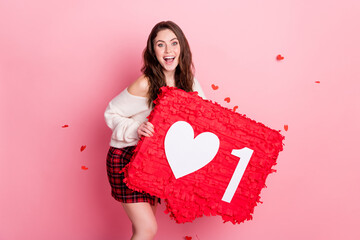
pixel 200 192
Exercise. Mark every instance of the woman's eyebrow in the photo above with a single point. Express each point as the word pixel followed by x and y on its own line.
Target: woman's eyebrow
pixel 164 41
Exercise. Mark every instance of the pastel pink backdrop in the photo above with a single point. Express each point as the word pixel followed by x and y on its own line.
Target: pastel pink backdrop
pixel 61 62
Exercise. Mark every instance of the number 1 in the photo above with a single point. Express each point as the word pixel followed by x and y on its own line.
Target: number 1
pixel 244 154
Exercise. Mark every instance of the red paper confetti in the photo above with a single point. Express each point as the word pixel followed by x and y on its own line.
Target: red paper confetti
pixel 235 107
pixel 317 81
pixel 227 99
pixel 84 168
pixel 214 87
pixel 188 238
pixel 286 127
pixel 65 126
pixel 82 148
pixel 279 57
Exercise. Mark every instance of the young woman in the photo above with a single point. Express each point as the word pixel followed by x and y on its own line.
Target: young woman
pixel 167 62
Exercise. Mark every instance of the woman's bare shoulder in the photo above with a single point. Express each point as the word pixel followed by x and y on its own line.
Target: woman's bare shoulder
pixel 140 87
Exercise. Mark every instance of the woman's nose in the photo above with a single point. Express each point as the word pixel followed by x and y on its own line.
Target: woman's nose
pixel 168 49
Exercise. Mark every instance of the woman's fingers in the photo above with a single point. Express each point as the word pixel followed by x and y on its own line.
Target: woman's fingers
pixel 147 132
pixel 150 127
pixel 140 130
pixel 146 129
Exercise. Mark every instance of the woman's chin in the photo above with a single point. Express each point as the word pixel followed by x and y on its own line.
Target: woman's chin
pixel 169 68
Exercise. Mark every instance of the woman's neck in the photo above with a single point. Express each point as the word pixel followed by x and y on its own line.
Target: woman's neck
pixel 170 78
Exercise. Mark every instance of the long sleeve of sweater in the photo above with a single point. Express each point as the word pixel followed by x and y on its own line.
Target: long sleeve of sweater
pixel 197 88
pixel 123 115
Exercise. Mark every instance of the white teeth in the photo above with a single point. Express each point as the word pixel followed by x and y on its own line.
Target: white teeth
pixel 169 57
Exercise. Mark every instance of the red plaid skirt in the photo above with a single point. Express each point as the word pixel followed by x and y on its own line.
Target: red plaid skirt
pixel 116 160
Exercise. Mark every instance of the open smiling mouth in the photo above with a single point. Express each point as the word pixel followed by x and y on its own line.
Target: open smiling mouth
pixel 169 60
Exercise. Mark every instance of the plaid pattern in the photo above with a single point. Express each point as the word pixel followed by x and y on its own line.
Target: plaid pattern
pixel 116 160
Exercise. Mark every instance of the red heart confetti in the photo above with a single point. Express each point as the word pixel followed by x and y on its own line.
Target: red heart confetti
pixel 279 57
pixel 227 99
pixel 286 127
pixel 214 87
pixel 188 238
pixel 65 126
pixel 82 148
pixel 235 107
pixel 84 168
pixel 317 81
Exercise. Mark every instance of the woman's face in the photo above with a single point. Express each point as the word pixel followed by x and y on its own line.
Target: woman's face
pixel 167 49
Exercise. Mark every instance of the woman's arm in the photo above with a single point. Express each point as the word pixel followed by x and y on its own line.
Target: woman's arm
pixel 118 118
pixel 141 88
pixel 119 112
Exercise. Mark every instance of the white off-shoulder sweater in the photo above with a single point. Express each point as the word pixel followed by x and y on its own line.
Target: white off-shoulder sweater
pixel 126 112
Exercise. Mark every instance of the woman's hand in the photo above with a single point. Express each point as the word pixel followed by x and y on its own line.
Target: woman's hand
pixel 146 129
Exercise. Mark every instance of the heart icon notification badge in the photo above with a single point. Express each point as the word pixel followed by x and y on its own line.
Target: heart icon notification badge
pixel 187 154
pixel 203 159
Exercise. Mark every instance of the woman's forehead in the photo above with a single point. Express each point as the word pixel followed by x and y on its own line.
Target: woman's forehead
pixel 165 35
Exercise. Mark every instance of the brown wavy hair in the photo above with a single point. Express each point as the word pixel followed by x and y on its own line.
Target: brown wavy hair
pixel 184 76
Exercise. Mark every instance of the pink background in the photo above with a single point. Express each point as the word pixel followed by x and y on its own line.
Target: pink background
pixel 61 62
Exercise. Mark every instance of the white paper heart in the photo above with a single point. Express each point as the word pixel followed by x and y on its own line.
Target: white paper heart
pixel 186 154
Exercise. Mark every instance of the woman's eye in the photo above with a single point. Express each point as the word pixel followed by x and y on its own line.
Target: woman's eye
pixel 160 45
pixel 174 43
